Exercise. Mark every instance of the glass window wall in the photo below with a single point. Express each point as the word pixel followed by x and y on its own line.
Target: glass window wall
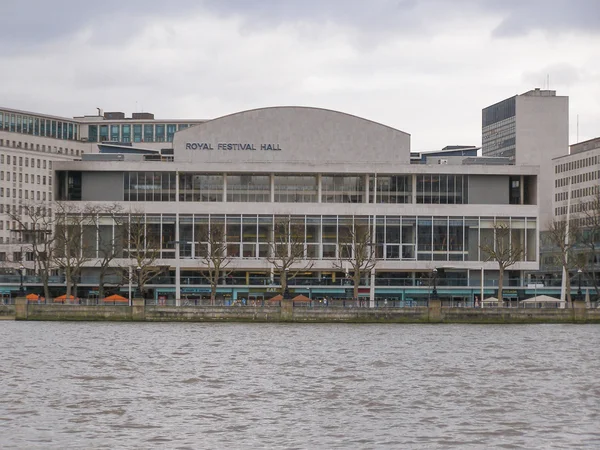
pixel 149 186
pixel 296 188
pixel 248 188
pixel 197 187
pixel 442 189
pixel 393 188
pixel 342 189
pixel 249 236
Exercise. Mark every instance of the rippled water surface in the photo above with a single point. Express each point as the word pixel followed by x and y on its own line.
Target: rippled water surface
pixel 112 385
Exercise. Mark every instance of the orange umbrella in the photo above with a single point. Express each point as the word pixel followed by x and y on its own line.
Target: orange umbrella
pixel 116 299
pixel 301 298
pixel 277 298
pixel 34 297
pixel 63 297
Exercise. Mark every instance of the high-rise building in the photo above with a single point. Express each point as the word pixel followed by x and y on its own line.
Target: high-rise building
pixel 31 142
pixel 529 129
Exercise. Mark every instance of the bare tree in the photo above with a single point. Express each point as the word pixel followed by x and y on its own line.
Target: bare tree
pixel 72 249
pixel 109 231
pixel 286 250
pixel 35 225
pixel 589 238
pixel 213 253
pixel 144 252
pixel 562 236
pixel 503 251
pixel 356 253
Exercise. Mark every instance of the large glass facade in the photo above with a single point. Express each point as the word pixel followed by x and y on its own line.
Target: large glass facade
pixel 442 189
pixel 343 189
pixel 149 186
pixel 397 238
pixel 296 188
pixel 36 126
pixel 197 187
pixel 393 188
pixel 248 188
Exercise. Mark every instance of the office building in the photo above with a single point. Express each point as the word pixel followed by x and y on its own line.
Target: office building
pixel 31 142
pixel 530 129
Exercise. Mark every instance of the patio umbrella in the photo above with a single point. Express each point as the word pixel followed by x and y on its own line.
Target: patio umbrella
pixel 116 299
pixel 301 298
pixel 34 297
pixel 277 298
pixel 63 297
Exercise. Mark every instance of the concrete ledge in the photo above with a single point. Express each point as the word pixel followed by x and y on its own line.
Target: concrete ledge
pixel 433 314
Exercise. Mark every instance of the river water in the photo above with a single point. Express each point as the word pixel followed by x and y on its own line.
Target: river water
pixel 187 386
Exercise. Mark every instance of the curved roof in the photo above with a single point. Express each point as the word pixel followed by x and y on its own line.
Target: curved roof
pixel 309 108
pixel 291 133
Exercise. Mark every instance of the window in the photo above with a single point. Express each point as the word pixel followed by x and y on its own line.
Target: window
pixel 93 133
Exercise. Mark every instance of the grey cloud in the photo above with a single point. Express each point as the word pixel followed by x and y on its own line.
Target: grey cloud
pixel 554 16
pixel 397 16
pixel 112 21
pixel 41 21
pixel 562 75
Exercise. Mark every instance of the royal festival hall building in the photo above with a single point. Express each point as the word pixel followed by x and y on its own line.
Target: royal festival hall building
pixel 325 172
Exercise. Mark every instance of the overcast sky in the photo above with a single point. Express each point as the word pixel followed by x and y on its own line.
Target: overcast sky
pixel 426 67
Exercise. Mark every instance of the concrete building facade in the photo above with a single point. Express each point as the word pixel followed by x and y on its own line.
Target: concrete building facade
pixel 531 128
pixel 326 173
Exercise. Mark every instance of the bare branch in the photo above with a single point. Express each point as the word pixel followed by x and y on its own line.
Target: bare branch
pixel 286 250
pixel 503 251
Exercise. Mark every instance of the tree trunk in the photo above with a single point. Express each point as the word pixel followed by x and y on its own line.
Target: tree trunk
pixel 568 292
pixel 68 284
pixel 46 286
pixel 213 292
pixel 101 284
pixel 283 279
pixel 356 281
pixel 500 286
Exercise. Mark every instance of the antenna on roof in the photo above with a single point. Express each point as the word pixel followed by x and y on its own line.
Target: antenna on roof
pixel 548 81
pixel 577 128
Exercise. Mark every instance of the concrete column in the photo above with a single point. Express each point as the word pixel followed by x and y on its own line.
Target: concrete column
pixel 319 187
pixel 435 310
pixel 272 188
pixel 21 308
pixel 138 309
pixel 414 188
pixel 224 188
pixel 367 180
pixel 579 311
pixel 287 309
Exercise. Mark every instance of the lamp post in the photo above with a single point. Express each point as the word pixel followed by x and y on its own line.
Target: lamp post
pixel 579 293
pixel 286 291
pixel 434 293
pixel 21 287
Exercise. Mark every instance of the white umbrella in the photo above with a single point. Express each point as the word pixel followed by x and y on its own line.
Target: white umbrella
pixel 490 301
pixel 544 300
